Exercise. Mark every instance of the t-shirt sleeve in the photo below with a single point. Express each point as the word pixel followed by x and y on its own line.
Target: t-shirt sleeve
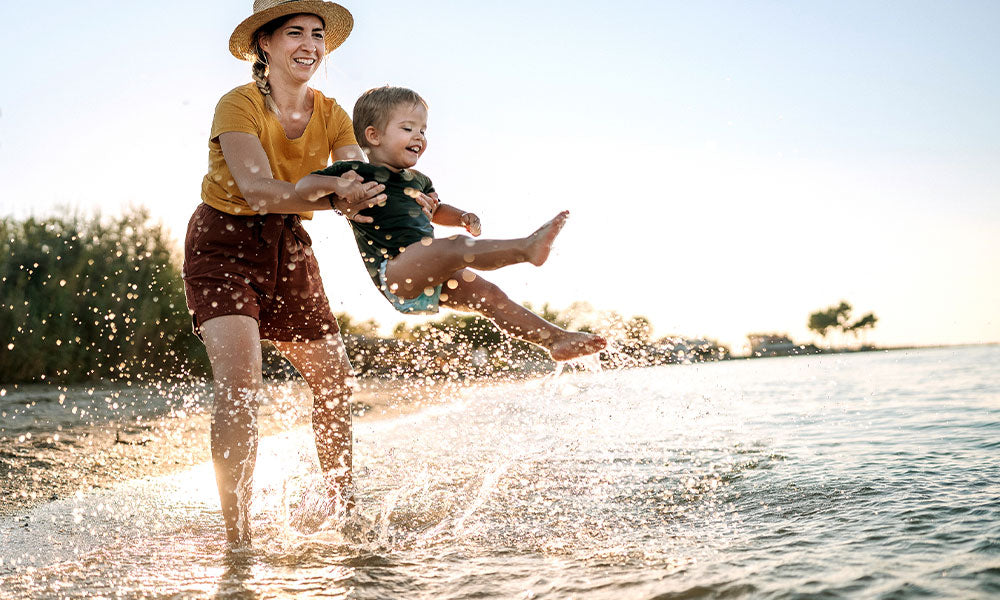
pixel 235 112
pixel 425 182
pixel 340 128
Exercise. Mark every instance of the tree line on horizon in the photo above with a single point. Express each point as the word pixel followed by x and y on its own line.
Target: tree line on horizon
pixel 91 298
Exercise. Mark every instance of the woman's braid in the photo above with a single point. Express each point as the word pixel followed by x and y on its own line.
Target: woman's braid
pixel 259 71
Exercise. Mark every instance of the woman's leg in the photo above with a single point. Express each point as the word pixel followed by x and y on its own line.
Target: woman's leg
pixel 233 344
pixel 427 265
pixel 325 367
pixel 475 294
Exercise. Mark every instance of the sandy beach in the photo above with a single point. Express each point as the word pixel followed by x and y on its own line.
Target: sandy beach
pixel 43 467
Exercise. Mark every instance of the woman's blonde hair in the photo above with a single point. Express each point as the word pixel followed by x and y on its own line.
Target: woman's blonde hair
pixel 375 106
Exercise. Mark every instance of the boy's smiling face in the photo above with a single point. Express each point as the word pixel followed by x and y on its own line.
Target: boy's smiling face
pixel 403 141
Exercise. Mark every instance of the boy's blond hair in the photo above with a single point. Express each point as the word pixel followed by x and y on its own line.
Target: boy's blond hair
pixel 375 106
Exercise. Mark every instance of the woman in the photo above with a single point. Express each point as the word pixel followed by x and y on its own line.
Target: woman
pixel 249 269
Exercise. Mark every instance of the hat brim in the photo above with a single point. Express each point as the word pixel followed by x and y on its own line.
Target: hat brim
pixel 336 18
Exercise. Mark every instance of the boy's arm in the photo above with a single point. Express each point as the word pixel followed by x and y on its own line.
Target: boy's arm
pixel 450 216
pixel 348 192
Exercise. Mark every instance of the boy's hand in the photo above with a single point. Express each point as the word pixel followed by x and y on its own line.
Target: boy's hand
pixel 471 223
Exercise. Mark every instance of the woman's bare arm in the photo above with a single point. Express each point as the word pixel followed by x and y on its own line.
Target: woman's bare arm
pixel 251 171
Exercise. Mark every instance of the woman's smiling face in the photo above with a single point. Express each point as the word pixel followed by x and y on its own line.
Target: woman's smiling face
pixel 296 48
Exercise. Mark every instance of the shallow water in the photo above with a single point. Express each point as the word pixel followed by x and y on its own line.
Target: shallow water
pixel 863 475
pixel 40 409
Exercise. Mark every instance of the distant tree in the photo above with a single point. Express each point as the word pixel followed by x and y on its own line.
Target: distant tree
pixel 839 317
pixel 639 329
pixel 866 322
pixel 822 321
pixel 549 314
pixel 402 331
pixel 470 330
pixel 349 325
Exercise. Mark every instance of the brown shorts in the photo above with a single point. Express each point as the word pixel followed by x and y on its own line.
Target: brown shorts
pixel 261 266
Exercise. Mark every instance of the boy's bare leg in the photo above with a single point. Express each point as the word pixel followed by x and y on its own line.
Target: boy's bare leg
pixel 233 344
pixel 475 294
pixel 325 367
pixel 427 265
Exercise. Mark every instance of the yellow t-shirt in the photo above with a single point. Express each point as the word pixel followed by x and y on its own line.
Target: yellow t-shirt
pixel 243 109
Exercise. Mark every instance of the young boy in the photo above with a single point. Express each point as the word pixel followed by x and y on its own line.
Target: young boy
pixel 416 271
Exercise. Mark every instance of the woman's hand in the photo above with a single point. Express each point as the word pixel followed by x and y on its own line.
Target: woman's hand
pixel 354 194
pixel 348 193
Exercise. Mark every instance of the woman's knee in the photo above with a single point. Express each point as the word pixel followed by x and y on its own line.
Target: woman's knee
pixel 233 345
pixel 240 373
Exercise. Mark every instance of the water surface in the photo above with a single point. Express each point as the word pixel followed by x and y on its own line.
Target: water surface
pixel 856 476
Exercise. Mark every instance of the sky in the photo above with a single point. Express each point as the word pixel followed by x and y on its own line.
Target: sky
pixel 730 167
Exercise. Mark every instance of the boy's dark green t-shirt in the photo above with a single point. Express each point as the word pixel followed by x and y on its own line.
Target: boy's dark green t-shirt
pixel 398 222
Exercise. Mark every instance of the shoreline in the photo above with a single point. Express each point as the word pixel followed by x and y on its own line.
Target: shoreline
pixel 53 465
pixel 56 464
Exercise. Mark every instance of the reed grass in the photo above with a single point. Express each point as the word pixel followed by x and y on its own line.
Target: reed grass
pixel 86 298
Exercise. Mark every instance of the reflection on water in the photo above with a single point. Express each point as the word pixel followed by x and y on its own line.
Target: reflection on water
pixel 841 476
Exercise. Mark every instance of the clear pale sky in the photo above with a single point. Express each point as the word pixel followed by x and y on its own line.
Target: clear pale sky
pixel 730 166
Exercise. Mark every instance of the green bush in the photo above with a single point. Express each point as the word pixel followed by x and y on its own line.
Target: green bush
pixel 86 298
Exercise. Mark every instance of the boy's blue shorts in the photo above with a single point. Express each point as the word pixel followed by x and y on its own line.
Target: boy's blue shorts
pixel 421 305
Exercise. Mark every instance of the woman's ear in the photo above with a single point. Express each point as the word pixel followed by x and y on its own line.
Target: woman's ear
pixel 371 136
pixel 263 41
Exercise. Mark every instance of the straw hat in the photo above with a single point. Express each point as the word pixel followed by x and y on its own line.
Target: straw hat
pixel 338 20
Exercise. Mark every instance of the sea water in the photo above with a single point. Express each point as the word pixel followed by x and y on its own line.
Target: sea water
pixel 868 475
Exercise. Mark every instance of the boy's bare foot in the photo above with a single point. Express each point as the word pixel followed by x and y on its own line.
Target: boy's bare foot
pixel 540 242
pixel 575 344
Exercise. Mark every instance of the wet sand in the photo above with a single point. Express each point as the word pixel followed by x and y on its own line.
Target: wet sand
pixel 53 465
